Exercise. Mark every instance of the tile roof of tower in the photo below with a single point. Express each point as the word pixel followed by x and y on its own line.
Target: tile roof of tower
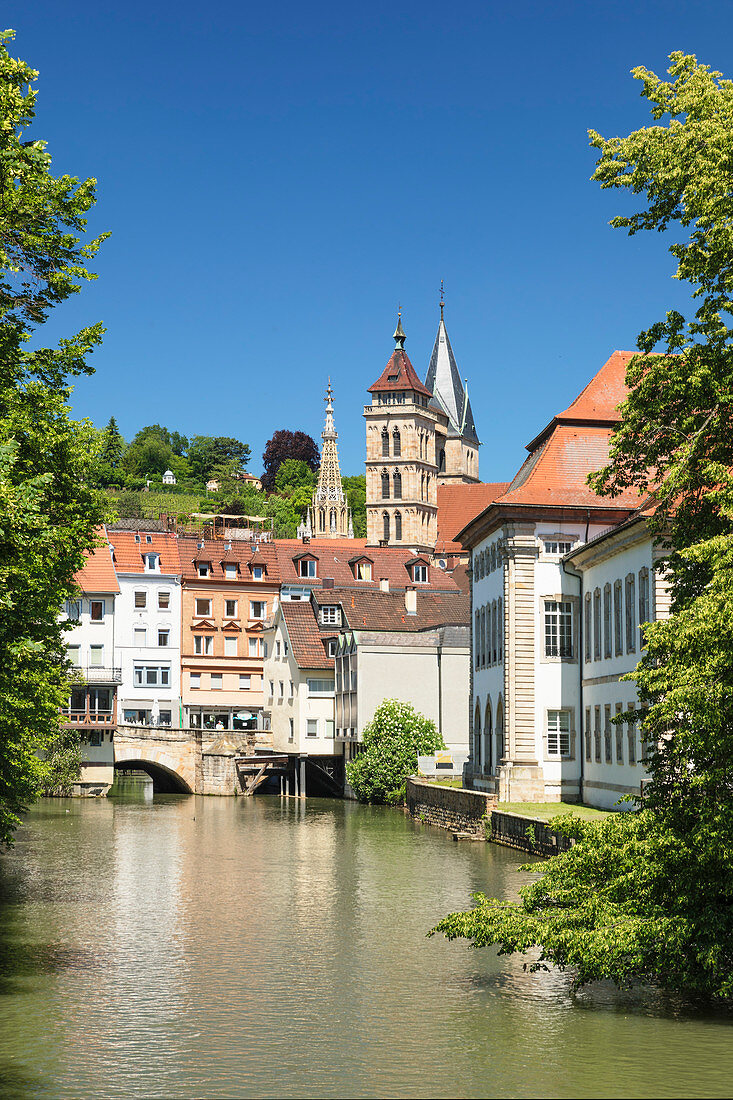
pixel 399 374
pixel 98 573
pixel 458 504
pixel 444 381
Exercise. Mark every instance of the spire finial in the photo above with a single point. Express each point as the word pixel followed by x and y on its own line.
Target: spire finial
pixel 329 394
pixel 399 335
pixel 442 302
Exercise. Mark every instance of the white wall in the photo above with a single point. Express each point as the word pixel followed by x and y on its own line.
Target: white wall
pixel 152 618
pixel 303 705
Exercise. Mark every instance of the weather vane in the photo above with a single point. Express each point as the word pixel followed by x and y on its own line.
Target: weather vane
pixel 442 303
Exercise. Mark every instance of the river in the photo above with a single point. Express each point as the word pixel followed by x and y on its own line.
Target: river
pixel 194 947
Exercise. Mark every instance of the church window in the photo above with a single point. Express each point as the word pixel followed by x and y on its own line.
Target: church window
pixel 385 485
pixel 398 523
pixel 441 461
pixel 385 442
pixel 321 520
pixel 396 443
pixel 385 524
pixel 397 485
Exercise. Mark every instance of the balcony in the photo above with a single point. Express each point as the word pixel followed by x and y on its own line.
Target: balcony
pixel 97 674
pixel 89 718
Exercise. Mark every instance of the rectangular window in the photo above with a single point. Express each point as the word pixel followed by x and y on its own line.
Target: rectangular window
pixel 588 625
pixel 630 609
pixel 73 652
pixel 329 727
pixel 96 656
pixel 607 620
pixel 631 738
pixel 245 683
pixel 363 571
pixel 285 648
pixel 96 610
pixel 163 638
pixel 203 570
pixel 164 600
pixel 164 718
pixel 230 609
pixel 151 675
pixel 290 689
pixel 230 570
pixel 203 608
pixel 330 616
pixel 558 733
pixel 597 625
pixel 607 732
pixel 203 644
pixel 255 647
pixel 292 730
pixel 257 572
pixel 320 687
pixel 597 735
pixel 216 681
pixel 552 546
pixel 587 732
pixel 73 609
pixel 311 727
pixel 420 574
pixel 618 616
pixel 281 689
pixel 195 680
pixel 644 610
pixel 257 609
pixel 272 688
pixel 141 599
pixel 558 628
pixel 619 737
pixel 230 646
pixel 152 563
pixel 307 568
pixel 139 636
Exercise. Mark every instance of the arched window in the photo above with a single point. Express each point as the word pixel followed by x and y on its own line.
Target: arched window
pixel 477 639
pixel 397 485
pixel 385 442
pixel 385 485
pixel 321 520
pixel 500 631
pixel 441 461
pixel 477 738
pixel 483 637
pixel 385 526
pixel 332 520
pixel 396 443
pixel 398 525
pixel 488 731
pixel 494 624
pixel 499 731
pixel 422 486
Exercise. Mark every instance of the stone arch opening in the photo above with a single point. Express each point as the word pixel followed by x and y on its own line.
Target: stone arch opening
pixel 499 731
pixel 488 736
pixel 477 738
pixel 165 780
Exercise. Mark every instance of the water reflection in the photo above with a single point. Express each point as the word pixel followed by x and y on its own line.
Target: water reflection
pixel 192 947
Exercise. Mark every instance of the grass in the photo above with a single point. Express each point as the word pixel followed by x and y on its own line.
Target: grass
pixel 443 782
pixel 543 811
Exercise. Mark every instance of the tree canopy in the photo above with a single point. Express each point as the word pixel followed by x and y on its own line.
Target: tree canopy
pixel 206 453
pixel 284 445
pixel 393 740
pixel 646 895
pixel 49 509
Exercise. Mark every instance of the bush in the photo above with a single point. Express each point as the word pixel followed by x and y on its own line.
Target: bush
pixel 393 740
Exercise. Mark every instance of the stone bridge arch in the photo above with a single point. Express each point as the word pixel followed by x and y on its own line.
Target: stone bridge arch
pixel 175 764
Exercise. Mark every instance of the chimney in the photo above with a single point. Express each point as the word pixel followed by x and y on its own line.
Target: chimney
pixel 384 584
pixel 411 601
pixel 328 582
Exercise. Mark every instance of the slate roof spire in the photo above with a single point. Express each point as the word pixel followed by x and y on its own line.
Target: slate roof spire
pixel 444 381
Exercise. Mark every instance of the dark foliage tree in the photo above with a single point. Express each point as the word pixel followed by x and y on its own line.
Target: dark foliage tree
pixel 284 445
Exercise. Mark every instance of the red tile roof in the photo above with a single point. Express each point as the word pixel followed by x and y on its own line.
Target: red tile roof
pixel 399 374
pixel 128 554
pixel 98 573
pixel 598 402
pixel 217 551
pixel 458 505
pixel 555 473
pixel 334 556
pixel 376 610
pixel 307 643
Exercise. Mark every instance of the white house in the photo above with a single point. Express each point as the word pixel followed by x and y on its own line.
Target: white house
pixel 148 627
pixel 527 692
pixel 92 705
pixel 169 478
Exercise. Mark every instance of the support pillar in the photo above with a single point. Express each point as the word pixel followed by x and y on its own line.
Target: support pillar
pixel 302 777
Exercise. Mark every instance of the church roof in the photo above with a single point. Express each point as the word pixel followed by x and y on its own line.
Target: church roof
pixel 458 504
pixel 399 374
pixel 444 381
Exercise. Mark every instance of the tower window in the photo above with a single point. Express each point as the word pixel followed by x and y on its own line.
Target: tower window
pixel 398 525
pixel 385 442
pixel 385 485
pixel 397 485
pixel 385 526
pixel 396 443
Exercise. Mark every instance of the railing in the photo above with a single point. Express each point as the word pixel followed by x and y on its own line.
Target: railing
pixel 94 674
pixel 89 718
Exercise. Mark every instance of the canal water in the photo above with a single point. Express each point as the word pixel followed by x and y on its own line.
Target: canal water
pixel 193 947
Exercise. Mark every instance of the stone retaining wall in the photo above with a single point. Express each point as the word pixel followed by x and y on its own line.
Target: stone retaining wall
pixel 452 808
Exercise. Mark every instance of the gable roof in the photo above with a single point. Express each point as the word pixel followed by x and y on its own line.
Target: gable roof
pixel 217 552
pixel 306 641
pixel 98 573
pixel 399 374
pixel 335 556
pixel 128 554
pixel 598 402
pixel 444 382
pixel 457 505
pixel 377 610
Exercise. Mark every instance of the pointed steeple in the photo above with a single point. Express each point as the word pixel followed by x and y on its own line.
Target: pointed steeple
pixel 444 382
pixel 399 335
pixel 330 509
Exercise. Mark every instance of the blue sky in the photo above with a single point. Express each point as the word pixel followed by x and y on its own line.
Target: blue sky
pixel 276 178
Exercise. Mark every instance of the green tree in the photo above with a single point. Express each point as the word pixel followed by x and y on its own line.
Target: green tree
pixel 393 740
pixel 207 452
pixel 646 895
pixel 48 509
pixel 355 489
pixel 113 445
pixel 293 473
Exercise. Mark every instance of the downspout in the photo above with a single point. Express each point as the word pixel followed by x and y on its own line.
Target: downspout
pixel 578 576
pixel 440 686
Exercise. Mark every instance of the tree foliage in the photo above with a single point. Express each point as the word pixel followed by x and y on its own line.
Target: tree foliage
pixel 206 453
pixel 48 510
pixel 648 895
pixel 284 445
pixel 393 740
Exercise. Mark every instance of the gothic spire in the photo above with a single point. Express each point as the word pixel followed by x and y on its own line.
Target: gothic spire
pixel 330 508
pixel 444 381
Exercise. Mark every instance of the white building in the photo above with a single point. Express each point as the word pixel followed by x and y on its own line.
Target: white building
pixel 528 679
pixel 169 478
pixel 92 706
pixel 148 637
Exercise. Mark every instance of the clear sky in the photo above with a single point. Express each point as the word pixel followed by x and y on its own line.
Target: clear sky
pixel 277 177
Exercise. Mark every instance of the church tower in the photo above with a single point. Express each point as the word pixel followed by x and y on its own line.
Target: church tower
pixel 457 451
pixel 403 424
pixel 329 516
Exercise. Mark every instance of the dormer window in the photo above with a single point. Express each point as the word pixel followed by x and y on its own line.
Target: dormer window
pixel 307 567
pixel 204 569
pixel 420 573
pixel 361 568
pixel 148 538
pixel 257 572
pixel 152 563
pixel 230 570
pixel 137 538
pixel 331 615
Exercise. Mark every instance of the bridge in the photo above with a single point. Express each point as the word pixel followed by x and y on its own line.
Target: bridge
pixel 173 758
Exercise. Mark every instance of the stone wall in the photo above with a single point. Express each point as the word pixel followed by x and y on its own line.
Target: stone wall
pixel 451 808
